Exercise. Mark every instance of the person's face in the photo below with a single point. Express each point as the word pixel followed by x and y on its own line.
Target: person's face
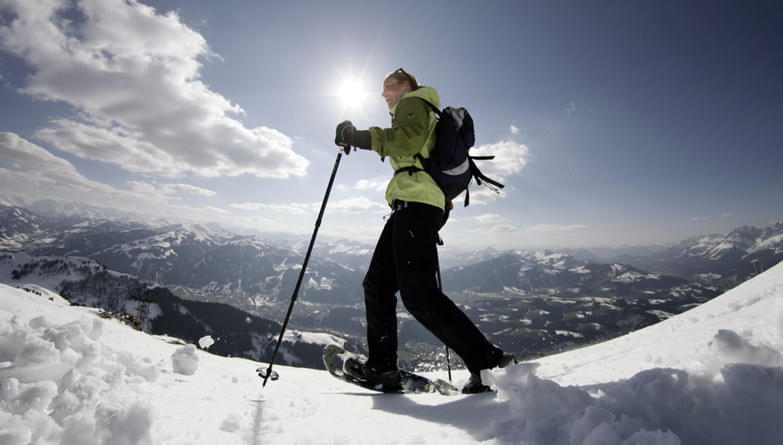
pixel 393 91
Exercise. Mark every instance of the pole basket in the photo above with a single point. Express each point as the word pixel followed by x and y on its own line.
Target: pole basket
pixel 264 372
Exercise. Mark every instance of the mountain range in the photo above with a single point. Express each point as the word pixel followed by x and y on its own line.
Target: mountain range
pixel 728 258
pixel 531 302
pixel 200 260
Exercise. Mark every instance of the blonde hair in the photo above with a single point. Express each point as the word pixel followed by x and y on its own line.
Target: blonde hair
pixel 401 76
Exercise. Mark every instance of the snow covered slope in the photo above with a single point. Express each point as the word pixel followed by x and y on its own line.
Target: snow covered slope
pixel 709 376
pixel 743 325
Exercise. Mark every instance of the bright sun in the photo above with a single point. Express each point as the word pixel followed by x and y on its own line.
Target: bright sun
pixel 351 93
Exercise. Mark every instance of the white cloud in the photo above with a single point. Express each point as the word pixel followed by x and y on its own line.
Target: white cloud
pixel 142 187
pixel 480 195
pixel 549 228
pixel 37 174
pixel 134 75
pixel 360 204
pixel 514 129
pixel 28 166
pixel 169 189
pixel 173 189
pixel 354 205
pixel 510 158
pixel 292 209
pixel 218 210
pixel 490 218
pixel 503 228
pixel 30 172
pixel 378 184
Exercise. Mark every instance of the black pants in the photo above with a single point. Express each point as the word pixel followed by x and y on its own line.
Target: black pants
pixel 405 259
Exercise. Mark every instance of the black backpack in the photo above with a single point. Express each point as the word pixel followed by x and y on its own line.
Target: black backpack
pixel 450 164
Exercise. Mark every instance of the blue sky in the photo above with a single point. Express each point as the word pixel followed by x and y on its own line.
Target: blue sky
pixel 614 122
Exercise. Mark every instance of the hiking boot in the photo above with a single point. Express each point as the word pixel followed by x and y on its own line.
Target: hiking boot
pixel 506 359
pixel 389 377
pixel 499 359
pixel 475 385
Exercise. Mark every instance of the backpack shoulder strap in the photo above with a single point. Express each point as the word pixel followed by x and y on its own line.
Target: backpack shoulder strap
pixel 433 107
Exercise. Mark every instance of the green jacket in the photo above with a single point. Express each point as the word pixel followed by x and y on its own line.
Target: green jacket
pixel 411 133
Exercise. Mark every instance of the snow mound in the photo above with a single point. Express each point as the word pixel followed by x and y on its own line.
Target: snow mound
pixel 742 404
pixel 184 360
pixel 58 384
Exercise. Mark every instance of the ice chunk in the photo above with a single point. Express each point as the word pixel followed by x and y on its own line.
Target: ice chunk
pixel 206 341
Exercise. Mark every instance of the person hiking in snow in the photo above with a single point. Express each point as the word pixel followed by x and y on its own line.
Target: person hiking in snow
pixel 405 257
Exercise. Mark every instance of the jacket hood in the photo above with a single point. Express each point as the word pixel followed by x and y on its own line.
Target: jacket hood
pixel 427 93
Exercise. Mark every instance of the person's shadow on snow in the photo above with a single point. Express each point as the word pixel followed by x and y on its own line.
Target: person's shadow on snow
pixel 470 413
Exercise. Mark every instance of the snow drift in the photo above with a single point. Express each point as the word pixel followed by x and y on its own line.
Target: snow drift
pixel 713 375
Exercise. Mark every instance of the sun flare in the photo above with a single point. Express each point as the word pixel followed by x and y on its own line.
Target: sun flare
pixel 351 93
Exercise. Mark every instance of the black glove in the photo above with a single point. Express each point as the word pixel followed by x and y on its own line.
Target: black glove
pixel 344 135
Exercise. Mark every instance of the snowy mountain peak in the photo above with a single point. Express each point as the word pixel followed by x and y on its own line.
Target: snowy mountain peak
pixel 198 232
pixel 739 242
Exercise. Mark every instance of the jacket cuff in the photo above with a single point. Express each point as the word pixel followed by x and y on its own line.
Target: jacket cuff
pixel 376 141
pixel 361 139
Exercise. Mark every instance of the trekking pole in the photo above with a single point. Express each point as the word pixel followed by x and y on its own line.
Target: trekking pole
pixel 268 372
pixel 448 363
pixel 440 288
